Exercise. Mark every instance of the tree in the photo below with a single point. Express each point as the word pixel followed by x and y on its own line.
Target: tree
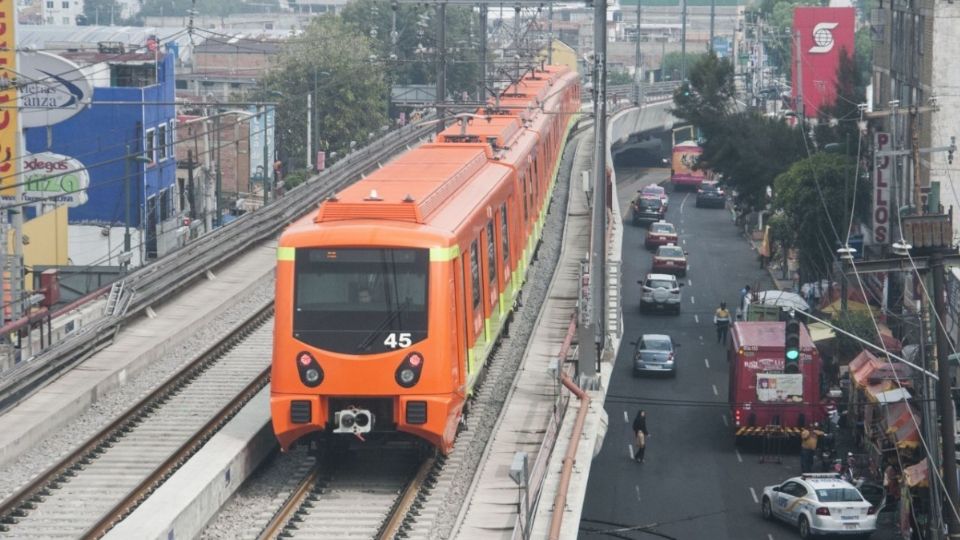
pixel 410 59
pixel 705 100
pixel 860 324
pixel 332 62
pixel 816 194
pixel 101 11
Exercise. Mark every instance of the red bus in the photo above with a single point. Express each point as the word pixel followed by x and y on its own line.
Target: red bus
pixel 763 397
pixel 682 173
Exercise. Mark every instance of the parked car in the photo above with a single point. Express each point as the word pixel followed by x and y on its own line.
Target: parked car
pixel 658 191
pixel 647 210
pixel 655 353
pixel 660 292
pixel 820 504
pixel 710 195
pixel 670 259
pixel 660 233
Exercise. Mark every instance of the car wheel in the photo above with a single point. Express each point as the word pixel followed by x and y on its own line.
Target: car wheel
pixel 804 525
pixel 765 509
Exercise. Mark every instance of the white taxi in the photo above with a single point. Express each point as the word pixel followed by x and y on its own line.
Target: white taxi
pixel 820 504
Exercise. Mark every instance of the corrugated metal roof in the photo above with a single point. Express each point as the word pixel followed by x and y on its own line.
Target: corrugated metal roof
pixel 57 38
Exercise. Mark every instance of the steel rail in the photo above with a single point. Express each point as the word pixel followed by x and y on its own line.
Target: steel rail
pixel 19 503
pixel 159 281
pixel 291 505
pixel 391 528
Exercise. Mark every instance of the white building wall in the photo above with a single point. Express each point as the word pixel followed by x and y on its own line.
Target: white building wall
pixel 946 85
pixel 61 11
pixel 93 245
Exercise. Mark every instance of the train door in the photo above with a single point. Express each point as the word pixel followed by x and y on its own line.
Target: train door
pixel 476 294
pixel 505 244
pixel 462 320
pixel 493 287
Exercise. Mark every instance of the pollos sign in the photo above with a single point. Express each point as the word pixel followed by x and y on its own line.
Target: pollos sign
pixel 881 190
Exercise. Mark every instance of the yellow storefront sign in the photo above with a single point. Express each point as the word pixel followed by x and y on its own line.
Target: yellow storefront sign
pixel 9 133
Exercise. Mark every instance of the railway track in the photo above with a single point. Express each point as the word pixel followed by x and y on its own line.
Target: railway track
pixel 96 486
pixel 365 494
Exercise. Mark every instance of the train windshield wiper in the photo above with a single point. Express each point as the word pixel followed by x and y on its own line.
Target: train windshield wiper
pixel 391 317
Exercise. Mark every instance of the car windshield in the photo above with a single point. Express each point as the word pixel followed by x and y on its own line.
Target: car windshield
pixel 839 495
pixel 659 283
pixel 653 190
pixel 709 187
pixel 353 300
pixel 669 251
pixel 662 228
pixel 655 344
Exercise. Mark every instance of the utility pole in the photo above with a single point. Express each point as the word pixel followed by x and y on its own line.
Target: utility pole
pixel 218 171
pixel 441 63
pixel 126 195
pixel 929 418
pixel 309 130
pixel 915 140
pixel 191 190
pixel 799 81
pixel 683 40
pixel 267 167
pixel 945 400
pixel 482 91
pixel 637 64
pixel 713 15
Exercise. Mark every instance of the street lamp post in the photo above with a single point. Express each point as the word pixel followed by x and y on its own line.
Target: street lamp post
pixel 131 157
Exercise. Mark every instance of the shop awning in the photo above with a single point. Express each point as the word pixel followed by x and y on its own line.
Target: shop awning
pixel 866 370
pixel 820 332
pixel 878 395
pixel 917 475
pixel 902 422
pixel 834 308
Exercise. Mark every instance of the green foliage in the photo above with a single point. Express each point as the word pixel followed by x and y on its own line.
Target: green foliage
pixel 295 178
pixel 330 60
pixel 411 60
pixel 778 29
pixel 101 10
pixel 670 66
pixel 619 77
pixel 748 149
pixel 816 194
pixel 858 323
pixel 169 8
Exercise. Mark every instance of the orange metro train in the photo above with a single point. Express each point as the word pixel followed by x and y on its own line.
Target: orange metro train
pixel 390 297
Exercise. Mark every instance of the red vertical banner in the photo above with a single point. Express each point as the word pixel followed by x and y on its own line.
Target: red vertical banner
pixel 8 99
pixel 823 33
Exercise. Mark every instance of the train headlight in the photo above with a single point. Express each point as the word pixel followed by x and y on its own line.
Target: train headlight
pixel 311 374
pixel 408 372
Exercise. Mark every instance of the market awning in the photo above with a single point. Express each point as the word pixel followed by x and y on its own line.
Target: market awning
pixel 834 308
pixel 866 370
pixel 820 332
pixel 917 475
pixel 877 394
pixel 903 424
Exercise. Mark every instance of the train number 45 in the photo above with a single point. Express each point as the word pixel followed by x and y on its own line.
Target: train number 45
pixel 398 339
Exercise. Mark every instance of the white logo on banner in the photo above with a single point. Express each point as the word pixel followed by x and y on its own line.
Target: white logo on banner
pixel 823 37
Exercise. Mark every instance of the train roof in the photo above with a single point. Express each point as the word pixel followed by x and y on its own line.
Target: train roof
pixel 767 334
pixel 498 131
pixel 410 187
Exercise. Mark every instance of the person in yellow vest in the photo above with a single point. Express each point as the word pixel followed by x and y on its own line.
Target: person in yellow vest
pixel 808 446
pixel 721 318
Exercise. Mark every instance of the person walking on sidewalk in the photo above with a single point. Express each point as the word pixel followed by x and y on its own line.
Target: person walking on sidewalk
pixel 640 434
pixel 808 446
pixel 721 318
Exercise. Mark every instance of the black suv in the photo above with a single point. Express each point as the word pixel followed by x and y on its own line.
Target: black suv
pixel 647 210
pixel 710 194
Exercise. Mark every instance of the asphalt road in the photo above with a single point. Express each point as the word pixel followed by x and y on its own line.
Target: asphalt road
pixel 694 483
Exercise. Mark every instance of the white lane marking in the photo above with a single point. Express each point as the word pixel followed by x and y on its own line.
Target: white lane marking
pixel 754 495
pixel 696 318
pixel 683 202
pixel 692 301
pixel 630 451
pixel 769 536
pixel 689 283
pixel 707 362
pixel 739 457
pixel 626 419
pixel 715 391
pixel 684 241
pixel 725 421
pixel 638 491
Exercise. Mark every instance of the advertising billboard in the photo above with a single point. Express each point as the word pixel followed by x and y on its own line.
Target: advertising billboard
pixel 779 387
pixel 881 190
pixel 823 33
pixel 261 135
pixel 56 89
pixel 9 128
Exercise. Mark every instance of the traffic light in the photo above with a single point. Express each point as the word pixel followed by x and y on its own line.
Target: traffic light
pixel 791 346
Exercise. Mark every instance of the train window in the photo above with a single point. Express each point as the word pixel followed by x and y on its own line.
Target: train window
pixel 504 235
pixel 491 255
pixel 475 275
pixel 352 300
pixel 523 186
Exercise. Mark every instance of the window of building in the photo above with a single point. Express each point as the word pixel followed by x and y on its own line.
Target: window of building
pixel 136 76
pixel 918 32
pixel 165 204
pixel 182 84
pixel 66 5
pixel 172 136
pixel 150 143
pixel 49 4
pixel 162 141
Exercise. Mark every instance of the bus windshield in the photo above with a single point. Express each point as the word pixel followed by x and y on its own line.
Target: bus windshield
pixel 360 301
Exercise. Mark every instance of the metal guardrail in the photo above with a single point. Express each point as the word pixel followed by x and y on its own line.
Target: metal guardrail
pixel 169 275
pixel 626 91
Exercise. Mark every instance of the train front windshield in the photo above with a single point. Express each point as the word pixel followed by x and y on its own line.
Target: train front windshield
pixel 360 301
